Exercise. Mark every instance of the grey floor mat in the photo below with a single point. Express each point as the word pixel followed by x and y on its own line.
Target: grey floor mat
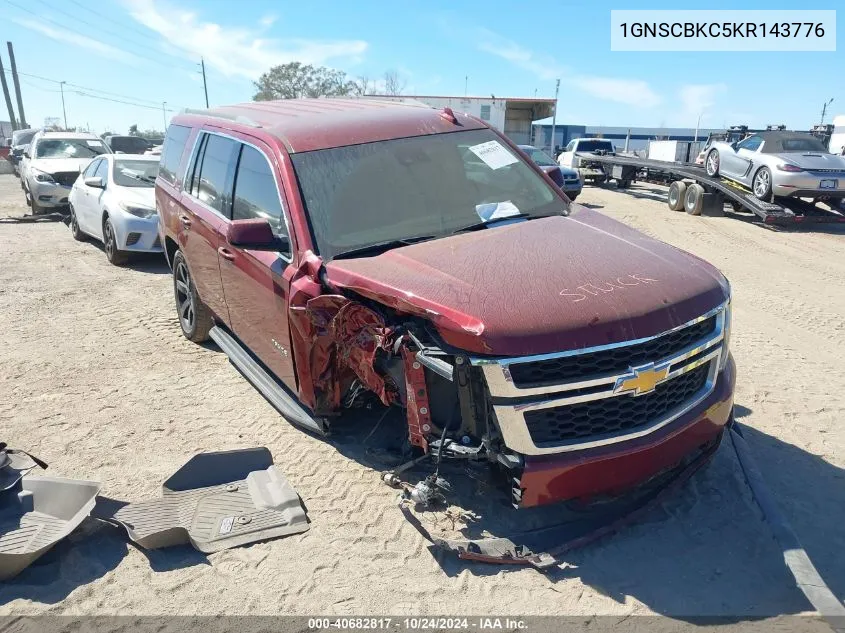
pixel 216 501
pixel 37 514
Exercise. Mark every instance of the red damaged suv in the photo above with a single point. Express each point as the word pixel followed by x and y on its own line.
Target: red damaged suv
pixel 336 245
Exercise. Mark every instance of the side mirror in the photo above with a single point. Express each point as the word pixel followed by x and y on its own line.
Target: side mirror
pixel 256 234
pixel 95 181
pixel 734 145
pixel 26 153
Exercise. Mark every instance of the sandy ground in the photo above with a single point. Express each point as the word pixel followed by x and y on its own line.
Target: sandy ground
pixel 97 380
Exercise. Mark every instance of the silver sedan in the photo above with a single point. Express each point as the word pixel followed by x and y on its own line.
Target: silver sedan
pixel 780 164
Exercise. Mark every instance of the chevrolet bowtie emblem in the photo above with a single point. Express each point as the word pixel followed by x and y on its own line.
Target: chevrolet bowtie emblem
pixel 641 380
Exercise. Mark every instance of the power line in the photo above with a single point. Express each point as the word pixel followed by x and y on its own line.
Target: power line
pixel 87 88
pixel 99 27
pixel 84 91
pixel 146 53
pixel 115 22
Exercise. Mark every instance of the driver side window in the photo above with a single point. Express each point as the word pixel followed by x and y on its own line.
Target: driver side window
pixel 751 143
pixel 92 168
pixel 570 147
pixel 103 171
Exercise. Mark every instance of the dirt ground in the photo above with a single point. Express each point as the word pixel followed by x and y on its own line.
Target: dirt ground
pixel 97 380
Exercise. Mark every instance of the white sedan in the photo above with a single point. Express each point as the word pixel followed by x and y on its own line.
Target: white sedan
pixel 113 200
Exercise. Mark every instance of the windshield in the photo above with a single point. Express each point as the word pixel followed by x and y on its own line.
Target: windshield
pixel 400 189
pixel 69 148
pixel 22 137
pixel 808 144
pixel 592 146
pixel 539 156
pixel 128 144
pixel 135 173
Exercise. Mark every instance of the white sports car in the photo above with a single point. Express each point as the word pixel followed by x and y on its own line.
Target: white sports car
pixel 113 200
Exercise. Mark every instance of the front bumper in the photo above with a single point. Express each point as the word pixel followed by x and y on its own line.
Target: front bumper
pixel 134 234
pixel 47 194
pixel 571 188
pixel 612 469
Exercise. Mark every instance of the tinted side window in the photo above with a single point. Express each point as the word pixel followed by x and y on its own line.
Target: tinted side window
pixel 217 158
pixel 103 171
pixel 751 143
pixel 91 169
pixel 171 153
pixel 256 195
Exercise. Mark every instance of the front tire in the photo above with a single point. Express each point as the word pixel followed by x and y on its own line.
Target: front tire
pixel 194 316
pixel 761 185
pixel 75 231
pixel 711 163
pixel 115 256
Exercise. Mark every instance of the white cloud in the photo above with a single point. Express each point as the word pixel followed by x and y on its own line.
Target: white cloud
pixel 542 66
pixel 236 51
pixel 268 20
pixel 699 98
pixel 70 37
pixel 632 92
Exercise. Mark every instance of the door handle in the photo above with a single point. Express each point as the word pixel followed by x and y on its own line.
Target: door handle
pixel 225 253
pixel 185 220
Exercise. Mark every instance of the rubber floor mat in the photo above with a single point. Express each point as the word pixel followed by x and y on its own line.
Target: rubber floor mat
pixel 37 514
pixel 216 501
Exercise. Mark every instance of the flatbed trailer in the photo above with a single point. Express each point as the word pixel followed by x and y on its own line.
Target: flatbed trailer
pixel 691 189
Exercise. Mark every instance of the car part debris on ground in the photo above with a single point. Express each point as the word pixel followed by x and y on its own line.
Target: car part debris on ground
pixel 36 512
pixel 214 502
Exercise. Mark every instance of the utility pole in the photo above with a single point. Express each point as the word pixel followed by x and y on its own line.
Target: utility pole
pixel 164 114
pixel 697 123
pixel 204 84
pixel 824 110
pixel 7 96
pixel 466 84
pixel 17 84
pixel 64 112
pixel 554 120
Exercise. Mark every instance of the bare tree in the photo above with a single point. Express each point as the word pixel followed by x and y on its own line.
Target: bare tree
pixel 363 85
pixel 394 85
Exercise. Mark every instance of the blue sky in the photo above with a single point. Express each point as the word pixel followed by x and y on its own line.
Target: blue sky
pixel 146 52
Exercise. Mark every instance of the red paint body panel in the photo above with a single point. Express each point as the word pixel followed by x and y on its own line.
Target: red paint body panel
pixel 612 469
pixel 310 124
pixel 540 286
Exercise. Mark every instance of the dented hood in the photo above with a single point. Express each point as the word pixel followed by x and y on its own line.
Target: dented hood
pixel 540 286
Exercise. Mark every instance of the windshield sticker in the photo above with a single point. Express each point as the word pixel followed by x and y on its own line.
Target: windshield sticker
pixel 494 154
pixel 94 144
pixel 496 210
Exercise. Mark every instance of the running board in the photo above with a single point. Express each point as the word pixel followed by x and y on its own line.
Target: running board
pixel 266 385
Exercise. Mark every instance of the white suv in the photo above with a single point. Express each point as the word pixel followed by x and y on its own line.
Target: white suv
pixel 51 165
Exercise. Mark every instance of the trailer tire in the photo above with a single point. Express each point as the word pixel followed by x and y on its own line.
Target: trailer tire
pixel 711 163
pixel 677 191
pixel 694 199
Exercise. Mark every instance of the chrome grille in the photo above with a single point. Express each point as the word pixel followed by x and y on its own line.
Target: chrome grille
pixel 579 399
pixel 618 359
pixel 612 415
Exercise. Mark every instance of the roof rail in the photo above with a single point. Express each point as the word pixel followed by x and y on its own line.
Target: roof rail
pixel 237 118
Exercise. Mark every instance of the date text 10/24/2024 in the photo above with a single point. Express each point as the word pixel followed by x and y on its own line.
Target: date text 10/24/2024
pixel 417 624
